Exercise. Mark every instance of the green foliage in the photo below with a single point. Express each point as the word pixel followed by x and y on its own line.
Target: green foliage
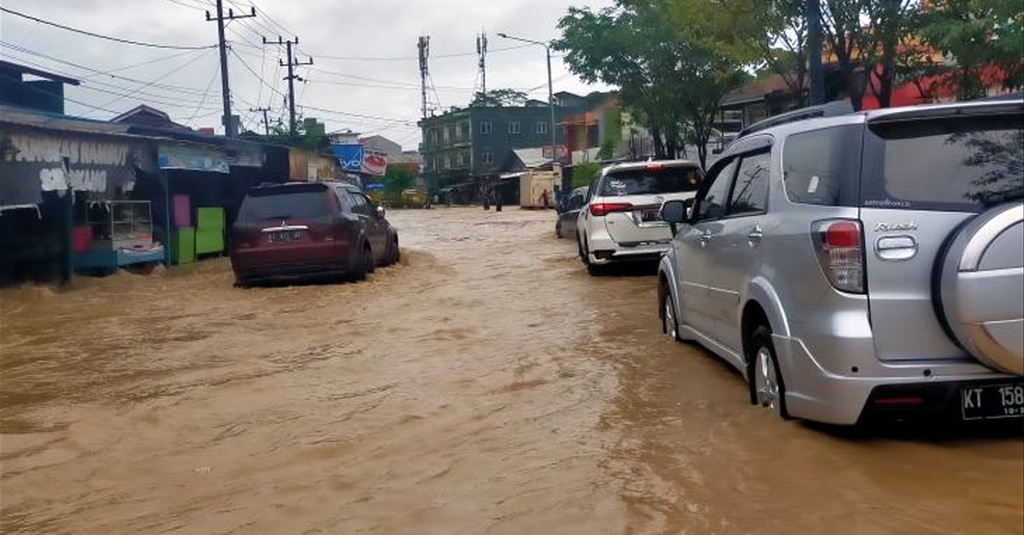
pixel 314 141
pixel 674 61
pixel 500 98
pixel 583 173
pixel 977 35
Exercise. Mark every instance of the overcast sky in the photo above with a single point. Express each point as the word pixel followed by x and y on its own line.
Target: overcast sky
pixel 364 77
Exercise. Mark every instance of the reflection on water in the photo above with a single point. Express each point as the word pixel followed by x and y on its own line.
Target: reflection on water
pixel 486 384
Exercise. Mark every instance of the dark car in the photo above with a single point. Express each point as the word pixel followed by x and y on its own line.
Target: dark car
pixel 568 210
pixel 304 230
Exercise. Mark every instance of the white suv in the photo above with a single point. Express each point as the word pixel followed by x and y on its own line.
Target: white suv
pixel 621 220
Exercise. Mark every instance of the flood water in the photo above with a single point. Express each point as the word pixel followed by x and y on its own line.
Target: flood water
pixel 486 384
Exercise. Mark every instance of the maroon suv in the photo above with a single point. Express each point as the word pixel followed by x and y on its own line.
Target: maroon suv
pixel 300 230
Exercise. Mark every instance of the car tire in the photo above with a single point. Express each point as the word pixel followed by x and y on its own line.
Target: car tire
pixel 396 253
pixel 669 319
pixel 360 269
pixel 558 229
pixel 371 264
pixel 767 387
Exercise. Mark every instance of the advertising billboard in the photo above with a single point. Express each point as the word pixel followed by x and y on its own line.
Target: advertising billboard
pixel 350 156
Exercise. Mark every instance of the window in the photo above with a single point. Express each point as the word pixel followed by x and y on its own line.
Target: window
pixel 464 158
pixel 964 164
pixel 486 127
pixel 514 127
pixel 433 135
pixel 818 167
pixel 447 134
pixel 750 194
pixel 650 181
pixel 447 161
pixel 464 130
pixel 488 157
pixel 542 127
pixel 712 204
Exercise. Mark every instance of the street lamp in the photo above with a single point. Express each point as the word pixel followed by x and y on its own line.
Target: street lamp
pixel 551 97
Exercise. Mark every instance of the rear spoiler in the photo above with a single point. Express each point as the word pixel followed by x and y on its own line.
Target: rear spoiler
pixel 994 106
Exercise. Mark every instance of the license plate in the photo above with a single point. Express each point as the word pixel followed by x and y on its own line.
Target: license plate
pixel 650 215
pixel 992 401
pixel 285 236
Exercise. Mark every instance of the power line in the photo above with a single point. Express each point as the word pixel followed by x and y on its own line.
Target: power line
pixel 101 36
pixel 415 58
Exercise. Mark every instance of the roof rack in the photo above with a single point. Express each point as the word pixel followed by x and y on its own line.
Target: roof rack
pixel 829 109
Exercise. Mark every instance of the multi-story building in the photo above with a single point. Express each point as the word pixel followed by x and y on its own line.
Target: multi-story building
pixel 475 143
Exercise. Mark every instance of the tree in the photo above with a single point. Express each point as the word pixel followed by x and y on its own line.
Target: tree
pixel 863 37
pixel 499 98
pixel 672 63
pixel 982 38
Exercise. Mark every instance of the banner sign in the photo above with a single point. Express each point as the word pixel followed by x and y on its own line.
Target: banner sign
pixel 191 159
pixel 374 162
pixel 350 156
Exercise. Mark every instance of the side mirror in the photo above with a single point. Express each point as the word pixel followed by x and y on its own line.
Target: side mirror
pixel 380 212
pixel 676 212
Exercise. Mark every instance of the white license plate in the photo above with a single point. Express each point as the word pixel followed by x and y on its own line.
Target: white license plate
pixel 992 401
pixel 285 236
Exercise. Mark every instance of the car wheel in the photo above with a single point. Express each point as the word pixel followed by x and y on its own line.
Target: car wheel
pixel 359 270
pixel 669 321
pixel 396 253
pixel 767 387
pixel 371 264
pixel 558 229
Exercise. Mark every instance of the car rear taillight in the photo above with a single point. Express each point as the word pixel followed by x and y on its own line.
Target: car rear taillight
pixel 602 208
pixel 839 246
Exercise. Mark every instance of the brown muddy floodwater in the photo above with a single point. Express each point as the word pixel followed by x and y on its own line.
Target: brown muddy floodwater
pixel 485 385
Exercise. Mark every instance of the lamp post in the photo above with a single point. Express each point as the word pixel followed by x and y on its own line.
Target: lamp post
pixel 551 97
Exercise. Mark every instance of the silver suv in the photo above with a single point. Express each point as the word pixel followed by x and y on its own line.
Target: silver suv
pixel 862 265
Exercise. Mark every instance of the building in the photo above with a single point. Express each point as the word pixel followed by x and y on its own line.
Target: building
pixel 44 93
pixel 477 143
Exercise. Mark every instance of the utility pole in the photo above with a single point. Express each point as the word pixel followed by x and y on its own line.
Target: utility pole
pixel 230 128
pixel 266 122
pixel 812 12
pixel 291 64
pixel 428 151
pixel 481 50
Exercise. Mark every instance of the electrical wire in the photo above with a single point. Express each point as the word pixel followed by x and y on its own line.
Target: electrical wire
pixel 101 36
pixel 205 94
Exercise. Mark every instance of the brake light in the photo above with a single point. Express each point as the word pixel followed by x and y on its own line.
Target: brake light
pixel 602 208
pixel 840 251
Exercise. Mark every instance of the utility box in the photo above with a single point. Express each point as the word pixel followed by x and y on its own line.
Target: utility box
pixel 537 188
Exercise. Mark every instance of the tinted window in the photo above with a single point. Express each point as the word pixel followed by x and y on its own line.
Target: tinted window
pixel 712 205
pixel 820 166
pixel 650 181
pixel 750 194
pixel 961 164
pixel 303 204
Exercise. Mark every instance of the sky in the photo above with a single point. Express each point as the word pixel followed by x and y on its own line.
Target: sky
pixel 364 77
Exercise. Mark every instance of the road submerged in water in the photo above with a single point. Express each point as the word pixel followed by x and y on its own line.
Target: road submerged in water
pixel 486 384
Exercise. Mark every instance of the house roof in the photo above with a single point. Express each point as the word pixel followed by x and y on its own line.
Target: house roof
pixel 142 110
pixel 23 69
pixel 758 89
pixel 41 119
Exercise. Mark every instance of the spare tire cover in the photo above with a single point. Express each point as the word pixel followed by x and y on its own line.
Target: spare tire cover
pixel 981 287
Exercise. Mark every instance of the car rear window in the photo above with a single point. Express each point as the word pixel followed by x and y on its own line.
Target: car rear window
pixel 284 203
pixel 956 164
pixel 650 181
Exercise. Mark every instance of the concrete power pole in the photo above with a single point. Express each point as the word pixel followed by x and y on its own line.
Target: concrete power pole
pixel 266 122
pixel 291 64
pixel 230 128
pixel 481 50
pixel 812 11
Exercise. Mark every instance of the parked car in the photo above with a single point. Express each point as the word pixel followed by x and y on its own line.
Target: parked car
pixel 862 266
pixel 297 230
pixel 621 222
pixel 569 211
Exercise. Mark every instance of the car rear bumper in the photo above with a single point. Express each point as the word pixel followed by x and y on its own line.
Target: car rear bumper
pixel 257 265
pixel 852 394
pixel 604 250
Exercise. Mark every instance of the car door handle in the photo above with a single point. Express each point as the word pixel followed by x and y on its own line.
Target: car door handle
pixel 755 235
